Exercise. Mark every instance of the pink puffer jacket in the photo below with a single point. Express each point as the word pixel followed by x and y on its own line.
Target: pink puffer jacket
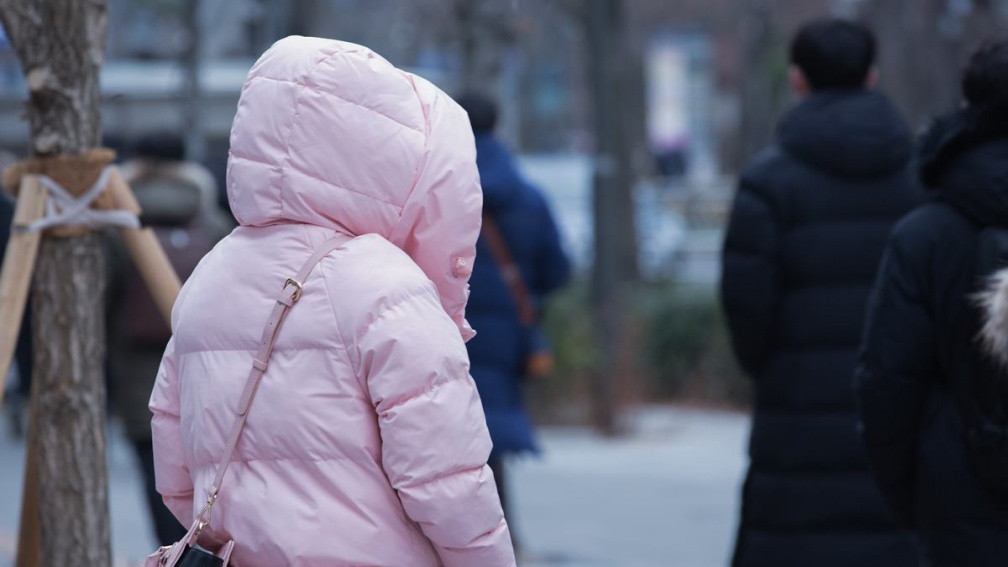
pixel 366 444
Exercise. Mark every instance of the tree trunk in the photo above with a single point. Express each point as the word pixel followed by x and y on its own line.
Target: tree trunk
pixel 615 263
pixel 61 45
pixel 764 76
pixel 485 29
pixel 68 402
pixel 911 31
pixel 300 17
pixel 195 141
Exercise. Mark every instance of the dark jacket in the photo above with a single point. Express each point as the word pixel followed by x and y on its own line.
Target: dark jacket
pixel 807 230
pixel 920 344
pixel 23 347
pixel 496 352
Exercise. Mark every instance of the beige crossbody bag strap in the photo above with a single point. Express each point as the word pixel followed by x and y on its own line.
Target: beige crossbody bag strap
pixel 289 295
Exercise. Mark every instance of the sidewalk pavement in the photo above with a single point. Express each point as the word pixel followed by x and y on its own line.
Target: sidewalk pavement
pixel 664 496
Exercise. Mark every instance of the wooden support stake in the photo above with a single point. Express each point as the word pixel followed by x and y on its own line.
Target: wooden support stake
pixel 29 550
pixel 145 250
pixel 18 267
pixel 15 280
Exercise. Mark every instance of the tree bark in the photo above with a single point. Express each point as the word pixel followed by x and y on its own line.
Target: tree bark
pixel 68 402
pixel 908 32
pixel 485 29
pixel 615 262
pixel 190 61
pixel 763 78
pixel 911 31
pixel 300 17
pixel 61 45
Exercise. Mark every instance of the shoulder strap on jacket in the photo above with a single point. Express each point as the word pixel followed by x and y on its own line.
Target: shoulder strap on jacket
pixel 289 295
pixel 509 270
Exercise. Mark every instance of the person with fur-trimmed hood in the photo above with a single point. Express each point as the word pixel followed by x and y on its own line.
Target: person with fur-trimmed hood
pixel 923 382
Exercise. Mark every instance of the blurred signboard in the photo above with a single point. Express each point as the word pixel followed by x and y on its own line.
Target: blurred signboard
pixel 668 104
pixel 680 123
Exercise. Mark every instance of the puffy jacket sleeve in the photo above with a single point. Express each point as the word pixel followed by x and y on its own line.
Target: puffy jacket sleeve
pixel 435 442
pixel 749 280
pixel 895 370
pixel 552 266
pixel 172 477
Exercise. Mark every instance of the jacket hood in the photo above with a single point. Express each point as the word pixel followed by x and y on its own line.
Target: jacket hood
pixel 329 133
pixel 963 160
pixel 498 175
pixel 848 132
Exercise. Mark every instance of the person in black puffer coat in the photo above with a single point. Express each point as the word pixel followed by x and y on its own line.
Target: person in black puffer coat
pixel 920 351
pixel 805 237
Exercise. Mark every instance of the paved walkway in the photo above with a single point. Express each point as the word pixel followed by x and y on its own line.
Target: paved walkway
pixel 665 496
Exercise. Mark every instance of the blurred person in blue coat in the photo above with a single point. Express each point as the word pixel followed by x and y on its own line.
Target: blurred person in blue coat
pixel 499 351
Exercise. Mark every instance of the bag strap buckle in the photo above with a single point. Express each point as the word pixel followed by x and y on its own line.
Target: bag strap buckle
pixel 298 288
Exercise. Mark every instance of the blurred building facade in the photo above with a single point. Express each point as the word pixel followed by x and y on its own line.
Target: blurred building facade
pixel 530 54
pixel 728 87
pixel 707 83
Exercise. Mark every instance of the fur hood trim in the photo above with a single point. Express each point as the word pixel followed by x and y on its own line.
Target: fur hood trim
pixel 993 302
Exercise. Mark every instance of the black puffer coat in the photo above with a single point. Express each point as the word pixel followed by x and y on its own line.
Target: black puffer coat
pixel 920 348
pixel 806 234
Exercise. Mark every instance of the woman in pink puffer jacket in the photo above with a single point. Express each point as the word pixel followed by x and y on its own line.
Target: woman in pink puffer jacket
pixel 366 444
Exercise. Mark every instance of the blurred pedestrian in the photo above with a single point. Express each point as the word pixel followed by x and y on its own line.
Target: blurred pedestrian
pixel 806 234
pixel 178 202
pixel 932 404
pixel 365 443
pixel 17 383
pixel 157 165
pixel 519 261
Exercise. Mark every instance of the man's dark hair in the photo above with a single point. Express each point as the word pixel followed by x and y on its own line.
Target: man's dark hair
pixel 834 53
pixel 985 80
pixel 482 111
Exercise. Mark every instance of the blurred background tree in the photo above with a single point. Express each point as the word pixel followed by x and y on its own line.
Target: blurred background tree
pixel 588 102
pixel 532 54
pixel 923 45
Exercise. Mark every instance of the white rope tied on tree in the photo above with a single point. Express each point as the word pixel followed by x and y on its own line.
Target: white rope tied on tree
pixel 64 209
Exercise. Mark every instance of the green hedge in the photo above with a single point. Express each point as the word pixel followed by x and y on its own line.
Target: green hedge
pixel 686 349
pixel 677 345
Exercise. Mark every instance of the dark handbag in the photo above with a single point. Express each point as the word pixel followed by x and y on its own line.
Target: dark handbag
pixel 199 557
pixel 537 353
pixel 186 552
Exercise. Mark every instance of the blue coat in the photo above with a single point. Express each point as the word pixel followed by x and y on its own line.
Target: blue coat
pixel 496 354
